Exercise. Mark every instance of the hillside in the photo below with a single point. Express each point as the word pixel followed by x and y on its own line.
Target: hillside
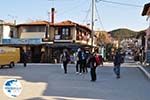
pixel 122 33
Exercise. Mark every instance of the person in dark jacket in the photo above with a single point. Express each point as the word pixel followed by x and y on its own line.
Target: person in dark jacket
pixel 82 61
pixel 24 57
pixel 92 64
pixel 117 63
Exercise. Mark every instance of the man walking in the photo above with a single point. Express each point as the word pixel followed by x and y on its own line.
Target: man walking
pixel 24 57
pixel 117 63
pixel 92 64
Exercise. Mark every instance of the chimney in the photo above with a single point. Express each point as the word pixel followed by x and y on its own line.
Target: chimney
pixel 52 15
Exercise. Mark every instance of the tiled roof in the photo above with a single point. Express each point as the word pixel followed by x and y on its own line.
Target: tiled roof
pixel 39 22
pixel 66 23
pixel 70 23
pixel 35 23
pixel 63 23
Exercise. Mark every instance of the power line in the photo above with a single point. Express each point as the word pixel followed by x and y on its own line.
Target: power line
pixel 99 17
pixel 88 12
pixel 119 3
pixel 72 8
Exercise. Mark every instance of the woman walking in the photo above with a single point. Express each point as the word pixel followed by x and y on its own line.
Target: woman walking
pixel 65 58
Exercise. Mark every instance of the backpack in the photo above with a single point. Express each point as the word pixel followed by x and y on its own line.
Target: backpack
pixel 64 58
pixel 98 62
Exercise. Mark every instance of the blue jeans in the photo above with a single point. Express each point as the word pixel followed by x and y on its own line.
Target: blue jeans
pixel 117 70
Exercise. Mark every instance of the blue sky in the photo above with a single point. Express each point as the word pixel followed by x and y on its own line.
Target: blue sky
pixel 112 16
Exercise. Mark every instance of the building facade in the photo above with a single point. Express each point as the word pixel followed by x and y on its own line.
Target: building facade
pixel 44 41
pixel 7 31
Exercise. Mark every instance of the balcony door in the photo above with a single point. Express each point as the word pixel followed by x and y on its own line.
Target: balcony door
pixel 63 33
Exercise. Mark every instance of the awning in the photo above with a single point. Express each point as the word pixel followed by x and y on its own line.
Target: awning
pixel 32 35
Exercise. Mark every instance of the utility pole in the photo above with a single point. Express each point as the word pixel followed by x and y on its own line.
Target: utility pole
pixel 92 23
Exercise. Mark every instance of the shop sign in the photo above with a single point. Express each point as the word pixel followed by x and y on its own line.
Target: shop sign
pixel 21 41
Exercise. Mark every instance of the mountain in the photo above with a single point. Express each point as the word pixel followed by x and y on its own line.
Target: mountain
pixel 123 33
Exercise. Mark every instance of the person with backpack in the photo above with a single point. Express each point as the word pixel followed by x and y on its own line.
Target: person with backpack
pixel 65 58
pixel 82 61
pixel 99 59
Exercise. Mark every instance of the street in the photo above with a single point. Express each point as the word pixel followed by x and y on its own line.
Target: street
pixel 48 82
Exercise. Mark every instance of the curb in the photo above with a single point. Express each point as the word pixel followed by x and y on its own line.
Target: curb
pixel 144 71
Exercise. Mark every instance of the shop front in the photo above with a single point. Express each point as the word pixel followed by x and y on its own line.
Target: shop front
pixel 35 49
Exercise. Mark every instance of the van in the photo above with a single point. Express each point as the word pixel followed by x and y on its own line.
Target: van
pixel 9 56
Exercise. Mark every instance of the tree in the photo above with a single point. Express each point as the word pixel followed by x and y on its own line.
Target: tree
pixel 103 37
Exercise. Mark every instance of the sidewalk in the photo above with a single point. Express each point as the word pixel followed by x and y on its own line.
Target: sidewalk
pixel 144 69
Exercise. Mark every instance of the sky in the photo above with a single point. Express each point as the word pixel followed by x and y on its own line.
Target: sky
pixel 108 16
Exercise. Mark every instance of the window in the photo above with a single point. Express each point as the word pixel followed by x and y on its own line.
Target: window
pixel 65 33
pixel 34 29
pixel 62 33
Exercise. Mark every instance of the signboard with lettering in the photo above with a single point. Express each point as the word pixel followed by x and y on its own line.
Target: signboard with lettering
pixel 22 41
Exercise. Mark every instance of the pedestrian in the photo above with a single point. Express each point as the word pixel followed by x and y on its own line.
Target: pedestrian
pixel 65 58
pixel 92 64
pixel 78 62
pixel 86 61
pixel 43 57
pixel 82 61
pixel 24 57
pixel 117 63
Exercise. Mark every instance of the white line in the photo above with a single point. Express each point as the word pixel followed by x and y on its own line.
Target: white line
pixel 144 71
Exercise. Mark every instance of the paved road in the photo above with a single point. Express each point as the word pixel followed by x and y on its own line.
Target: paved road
pixel 48 82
